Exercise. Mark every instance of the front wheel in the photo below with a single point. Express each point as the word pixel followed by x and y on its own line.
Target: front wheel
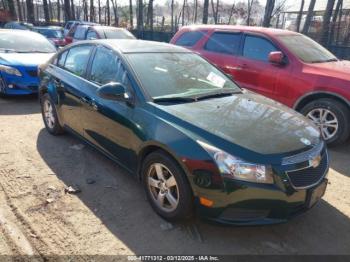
pixel 49 114
pixel 332 118
pixel 166 186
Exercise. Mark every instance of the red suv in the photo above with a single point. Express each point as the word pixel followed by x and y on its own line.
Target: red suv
pixel 283 65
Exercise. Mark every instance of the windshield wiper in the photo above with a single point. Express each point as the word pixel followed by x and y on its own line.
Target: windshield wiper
pixel 220 94
pixel 174 99
pixel 325 61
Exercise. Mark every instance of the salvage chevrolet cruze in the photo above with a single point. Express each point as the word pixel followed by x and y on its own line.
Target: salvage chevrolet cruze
pixel 192 136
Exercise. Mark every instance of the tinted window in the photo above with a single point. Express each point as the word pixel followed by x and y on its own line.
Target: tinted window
pixel 107 67
pixel 62 59
pixel 189 38
pixel 306 49
pixel 227 43
pixel 91 35
pixel 80 32
pixel 77 59
pixel 257 48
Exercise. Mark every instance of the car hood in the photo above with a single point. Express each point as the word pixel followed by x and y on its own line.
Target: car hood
pixel 248 120
pixel 338 69
pixel 25 59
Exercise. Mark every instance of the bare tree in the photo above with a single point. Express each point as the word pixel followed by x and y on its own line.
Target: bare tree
pixel 12 8
pixel 115 11
pixel 72 9
pixel 300 15
pixel 50 10
pixel 150 15
pixel 337 13
pixel 67 10
pixel 59 10
pixel 269 7
pixel 231 13
pixel 46 11
pixel 205 11
pixel 140 16
pixel 172 15
pixel 30 11
pixel 326 20
pixel 92 11
pixel 108 13
pixel 195 11
pixel 215 10
pixel 131 16
pixel 99 11
pixel 250 5
pixel 19 8
pixel 309 16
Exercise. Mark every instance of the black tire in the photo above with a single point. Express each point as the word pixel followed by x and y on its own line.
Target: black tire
pixel 342 114
pixel 56 128
pixel 2 88
pixel 184 209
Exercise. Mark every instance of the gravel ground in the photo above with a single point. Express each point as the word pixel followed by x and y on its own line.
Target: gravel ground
pixel 112 216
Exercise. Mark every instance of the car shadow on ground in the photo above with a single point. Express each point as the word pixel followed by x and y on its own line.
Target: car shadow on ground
pixel 19 105
pixel 119 202
pixel 340 158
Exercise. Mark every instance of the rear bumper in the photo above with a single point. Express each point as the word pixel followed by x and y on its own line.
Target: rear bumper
pixel 246 204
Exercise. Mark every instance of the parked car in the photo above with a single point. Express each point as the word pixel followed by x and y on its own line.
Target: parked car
pixel 186 130
pixel 286 66
pixel 53 33
pixel 20 54
pixel 74 32
pixel 18 25
pixel 92 32
pixel 69 25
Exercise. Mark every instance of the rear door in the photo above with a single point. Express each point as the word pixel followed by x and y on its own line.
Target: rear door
pixel 221 49
pixel 254 71
pixel 69 80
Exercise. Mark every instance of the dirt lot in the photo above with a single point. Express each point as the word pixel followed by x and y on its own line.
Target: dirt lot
pixel 112 216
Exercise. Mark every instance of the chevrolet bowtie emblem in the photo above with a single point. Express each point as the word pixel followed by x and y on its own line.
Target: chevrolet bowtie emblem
pixel 315 162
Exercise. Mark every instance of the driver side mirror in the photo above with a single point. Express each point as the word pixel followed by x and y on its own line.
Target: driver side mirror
pixel 276 58
pixel 113 91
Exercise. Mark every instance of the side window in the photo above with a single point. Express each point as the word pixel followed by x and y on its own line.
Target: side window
pixel 77 59
pixel 62 59
pixel 91 35
pixel 107 67
pixel 80 33
pixel 227 43
pixel 189 38
pixel 257 48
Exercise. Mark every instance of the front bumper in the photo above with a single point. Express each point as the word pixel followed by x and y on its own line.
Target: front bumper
pixel 248 204
pixel 18 85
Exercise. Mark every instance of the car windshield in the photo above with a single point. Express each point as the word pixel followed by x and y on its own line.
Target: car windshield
pixel 52 33
pixel 25 43
pixel 179 75
pixel 118 34
pixel 307 49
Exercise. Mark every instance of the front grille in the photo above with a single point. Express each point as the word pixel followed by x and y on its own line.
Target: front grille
pixel 32 73
pixel 309 176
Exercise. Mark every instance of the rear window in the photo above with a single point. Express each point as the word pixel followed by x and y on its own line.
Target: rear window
pixel 189 38
pixel 227 43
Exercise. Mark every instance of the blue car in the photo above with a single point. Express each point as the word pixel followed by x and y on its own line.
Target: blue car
pixel 21 52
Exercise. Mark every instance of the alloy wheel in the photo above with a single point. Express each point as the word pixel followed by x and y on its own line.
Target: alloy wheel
pixel 48 114
pixel 326 120
pixel 163 187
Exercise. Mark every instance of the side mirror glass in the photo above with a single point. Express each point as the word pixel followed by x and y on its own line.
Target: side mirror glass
pixel 113 91
pixel 276 58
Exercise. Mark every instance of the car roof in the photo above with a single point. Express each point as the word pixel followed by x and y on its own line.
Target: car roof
pixel 255 29
pixel 106 27
pixel 19 32
pixel 137 46
pixel 48 27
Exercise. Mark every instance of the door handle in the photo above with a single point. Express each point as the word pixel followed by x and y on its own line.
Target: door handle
pixel 90 102
pixel 57 82
pixel 94 105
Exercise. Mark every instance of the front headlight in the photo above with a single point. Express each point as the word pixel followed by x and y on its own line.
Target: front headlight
pixel 10 70
pixel 236 168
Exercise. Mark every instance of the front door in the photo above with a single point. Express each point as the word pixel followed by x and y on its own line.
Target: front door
pixel 255 71
pixel 108 124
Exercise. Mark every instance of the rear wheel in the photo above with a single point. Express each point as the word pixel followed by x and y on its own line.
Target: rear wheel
pixel 2 88
pixel 166 186
pixel 332 118
pixel 49 114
